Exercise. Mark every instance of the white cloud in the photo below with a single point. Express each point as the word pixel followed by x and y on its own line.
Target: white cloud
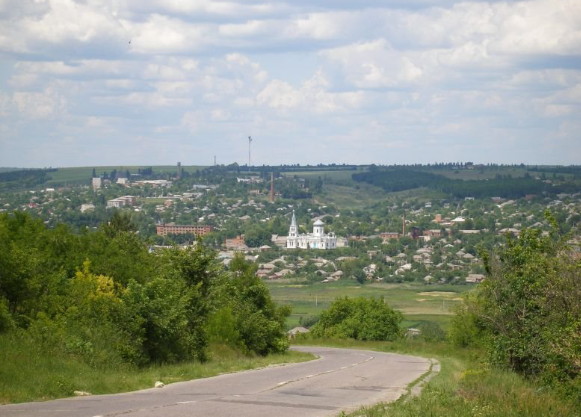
pixel 42 105
pixel 374 64
pixel 363 80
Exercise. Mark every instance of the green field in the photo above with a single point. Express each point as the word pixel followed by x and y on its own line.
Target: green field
pixel 78 175
pixel 478 173
pixel 417 302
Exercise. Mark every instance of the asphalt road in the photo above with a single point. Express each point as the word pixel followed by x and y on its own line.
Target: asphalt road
pixel 341 379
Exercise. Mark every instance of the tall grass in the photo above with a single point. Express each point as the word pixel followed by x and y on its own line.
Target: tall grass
pixel 29 373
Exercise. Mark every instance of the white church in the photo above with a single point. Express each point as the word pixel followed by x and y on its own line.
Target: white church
pixel 316 240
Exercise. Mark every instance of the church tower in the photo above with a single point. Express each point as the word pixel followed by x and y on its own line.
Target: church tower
pixel 293 229
pixel 293 234
pixel 318 228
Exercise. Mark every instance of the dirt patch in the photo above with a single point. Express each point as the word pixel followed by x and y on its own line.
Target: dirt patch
pixel 439 293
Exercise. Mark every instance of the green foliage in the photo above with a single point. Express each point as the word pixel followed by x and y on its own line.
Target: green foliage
pixel 257 236
pixel 22 179
pixel 251 320
pixel 528 310
pixel 102 298
pixel 430 331
pixel 359 318
pixel 399 179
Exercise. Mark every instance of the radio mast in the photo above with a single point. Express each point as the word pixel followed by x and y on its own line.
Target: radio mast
pixel 249 142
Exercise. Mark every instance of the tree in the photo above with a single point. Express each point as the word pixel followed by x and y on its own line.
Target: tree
pixel 245 315
pixel 359 318
pixel 529 307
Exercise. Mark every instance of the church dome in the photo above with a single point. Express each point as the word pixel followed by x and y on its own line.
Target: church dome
pixel 319 223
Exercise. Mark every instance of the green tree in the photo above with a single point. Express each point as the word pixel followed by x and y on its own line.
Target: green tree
pixel 359 318
pixel 529 308
pixel 249 317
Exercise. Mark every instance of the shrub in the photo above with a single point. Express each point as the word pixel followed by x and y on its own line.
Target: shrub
pixel 359 318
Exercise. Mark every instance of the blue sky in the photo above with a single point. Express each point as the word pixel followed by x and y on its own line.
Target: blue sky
pixel 122 82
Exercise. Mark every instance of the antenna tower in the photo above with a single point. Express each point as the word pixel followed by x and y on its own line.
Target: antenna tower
pixel 249 142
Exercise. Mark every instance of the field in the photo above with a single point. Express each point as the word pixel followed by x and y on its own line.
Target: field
pixel 479 173
pixel 78 175
pixel 417 302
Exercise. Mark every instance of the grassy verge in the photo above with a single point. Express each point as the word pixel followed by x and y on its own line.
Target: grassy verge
pixel 435 303
pixel 28 374
pixel 464 387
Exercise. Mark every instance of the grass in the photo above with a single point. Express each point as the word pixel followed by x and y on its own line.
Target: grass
pixel 28 374
pixel 417 302
pixel 480 173
pixel 77 175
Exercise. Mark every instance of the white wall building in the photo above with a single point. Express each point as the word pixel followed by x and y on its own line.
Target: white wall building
pixel 316 240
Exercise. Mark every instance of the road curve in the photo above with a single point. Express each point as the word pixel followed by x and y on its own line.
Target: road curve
pixel 341 379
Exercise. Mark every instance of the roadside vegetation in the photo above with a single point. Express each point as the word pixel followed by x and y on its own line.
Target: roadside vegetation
pixel 100 302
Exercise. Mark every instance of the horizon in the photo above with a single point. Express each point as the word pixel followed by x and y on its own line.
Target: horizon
pixel 332 164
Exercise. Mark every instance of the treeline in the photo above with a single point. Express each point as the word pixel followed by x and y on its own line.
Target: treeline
pixel 574 170
pixel 104 298
pixel 400 179
pixel 26 178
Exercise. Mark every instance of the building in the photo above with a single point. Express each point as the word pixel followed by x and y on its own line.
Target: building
pixel 386 236
pixel 154 183
pixel 316 240
pixel 126 200
pixel 237 243
pixel 97 183
pixel 87 207
pixel 174 229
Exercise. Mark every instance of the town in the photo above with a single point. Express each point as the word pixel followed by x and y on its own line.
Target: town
pixel 314 223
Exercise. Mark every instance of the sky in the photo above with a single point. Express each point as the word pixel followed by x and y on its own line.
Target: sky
pixel 154 82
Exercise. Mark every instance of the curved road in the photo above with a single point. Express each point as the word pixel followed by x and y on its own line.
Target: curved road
pixel 340 379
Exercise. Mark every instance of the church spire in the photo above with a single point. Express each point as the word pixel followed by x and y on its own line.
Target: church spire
pixel 293 229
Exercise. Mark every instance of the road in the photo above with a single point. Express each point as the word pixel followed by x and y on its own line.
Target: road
pixel 341 379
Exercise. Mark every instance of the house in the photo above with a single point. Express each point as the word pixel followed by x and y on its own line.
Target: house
pixel 386 236
pixel 475 278
pixel 87 207
pixel 433 233
pixel 97 183
pixel 236 243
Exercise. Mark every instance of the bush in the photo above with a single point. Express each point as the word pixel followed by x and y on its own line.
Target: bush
pixel 359 318
pixel 528 310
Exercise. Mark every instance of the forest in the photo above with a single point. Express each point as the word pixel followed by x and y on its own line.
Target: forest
pixel 400 179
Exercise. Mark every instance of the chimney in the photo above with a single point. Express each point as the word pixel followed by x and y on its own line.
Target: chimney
pixel 272 187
